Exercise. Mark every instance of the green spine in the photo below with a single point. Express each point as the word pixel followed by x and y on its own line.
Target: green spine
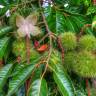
pixel 69 41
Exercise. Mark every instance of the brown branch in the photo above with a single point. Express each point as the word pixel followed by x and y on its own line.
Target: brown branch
pixel 50 38
pixel 88 88
pixel 36 66
pixel 82 30
pixel 28 49
pixel 18 59
pixel 44 38
pixel 28 60
pixel 1 63
pixel 61 47
pixel 94 2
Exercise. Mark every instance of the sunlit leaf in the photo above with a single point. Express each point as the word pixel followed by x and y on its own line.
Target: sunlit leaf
pixel 60 76
pixel 19 79
pixel 38 88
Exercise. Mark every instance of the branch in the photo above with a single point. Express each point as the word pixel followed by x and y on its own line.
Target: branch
pixel 82 30
pixel 50 39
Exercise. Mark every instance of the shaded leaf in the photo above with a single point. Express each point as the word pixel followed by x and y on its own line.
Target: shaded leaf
pixel 80 22
pixel 3 10
pixel 61 24
pixel 69 24
pixel 50 15
pixel 4 72
pixel 5 30
pixel 3 46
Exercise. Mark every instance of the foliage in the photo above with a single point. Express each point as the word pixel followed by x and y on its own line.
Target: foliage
pixel 42 48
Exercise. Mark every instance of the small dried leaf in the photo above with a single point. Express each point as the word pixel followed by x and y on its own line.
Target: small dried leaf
pixel 42 48
pixel 19 20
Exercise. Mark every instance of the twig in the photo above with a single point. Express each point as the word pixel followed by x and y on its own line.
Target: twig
pixel 28 60
pixel 82 30
pixel 29 80
pixel 50 38
pixel 44 38
pixel 19 59
pixel 28 49
pixel 88 88
pixel 36 66
pixel 61 47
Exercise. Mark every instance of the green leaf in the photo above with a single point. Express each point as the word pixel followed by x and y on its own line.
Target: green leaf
pixel 63 82
pixel 61 25
pixel 59 22
pixel 55 20
pixel 50 15
pixel 60 76
pixel 80 22
pixel 4 30
pixel 91 10
pixel 3 46
pixel 17 68
pixel 38 72
pixel 70 2
pixel 69 24
pixel 38 88
pixel 3 10
pixel 3 2
pixel 4 72
pixel 20 78
pixel 73 22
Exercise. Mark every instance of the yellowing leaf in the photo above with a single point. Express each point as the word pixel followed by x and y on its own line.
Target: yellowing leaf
pixel 21 32
pixel 32 19
pixel 19 20
pixel 35 30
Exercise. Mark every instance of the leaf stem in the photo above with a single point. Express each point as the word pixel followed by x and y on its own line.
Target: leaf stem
pixel 28 60
pixel 28 49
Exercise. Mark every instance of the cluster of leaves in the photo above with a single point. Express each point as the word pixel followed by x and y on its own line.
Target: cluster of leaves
pixel 45 73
